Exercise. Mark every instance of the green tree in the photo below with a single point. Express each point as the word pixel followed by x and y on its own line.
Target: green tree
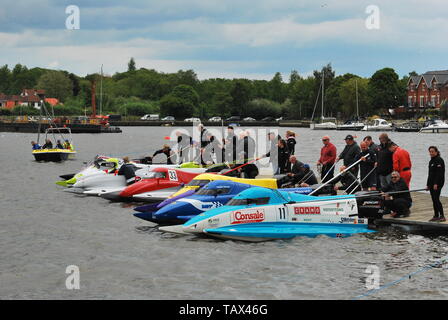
pixel 176 107
pixel 5 78
pixel 131 65
pixel 347 93
pixel 384 89
pixel 56 85
pixel 277 88
pixel 302 99
pixel 240 97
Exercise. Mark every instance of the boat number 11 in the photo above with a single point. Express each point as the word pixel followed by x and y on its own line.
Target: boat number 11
pixel 282 213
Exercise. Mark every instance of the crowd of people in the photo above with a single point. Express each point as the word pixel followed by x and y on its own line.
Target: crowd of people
pixel 385 167
pixel 49 145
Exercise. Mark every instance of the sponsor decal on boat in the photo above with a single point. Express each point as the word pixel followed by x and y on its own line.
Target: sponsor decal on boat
pixel 307 210
pixel 349 220
pixel 333 209
pixel 247 216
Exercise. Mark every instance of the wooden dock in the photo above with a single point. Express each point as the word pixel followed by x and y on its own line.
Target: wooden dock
pixel 418 221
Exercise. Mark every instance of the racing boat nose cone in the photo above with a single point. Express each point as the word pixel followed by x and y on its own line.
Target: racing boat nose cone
pixel 174 210
pixel 147 216
pixel 112 196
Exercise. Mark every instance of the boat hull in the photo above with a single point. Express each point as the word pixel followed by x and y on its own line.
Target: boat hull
pixel 434 130
pixel 256 232
pixel 53 155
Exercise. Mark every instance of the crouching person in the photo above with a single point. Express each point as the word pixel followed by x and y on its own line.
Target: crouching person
pixel 399 203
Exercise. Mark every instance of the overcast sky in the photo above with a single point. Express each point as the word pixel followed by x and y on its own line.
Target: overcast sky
pixel 226 38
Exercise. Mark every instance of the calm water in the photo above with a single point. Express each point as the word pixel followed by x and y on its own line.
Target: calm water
pixel 43 230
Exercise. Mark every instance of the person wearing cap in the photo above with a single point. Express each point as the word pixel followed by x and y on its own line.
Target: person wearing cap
pixel 401 162
pixel 350 153
pixel 327 159
pixel 166 150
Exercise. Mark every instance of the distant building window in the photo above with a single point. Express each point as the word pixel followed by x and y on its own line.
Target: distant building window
pixel 422 101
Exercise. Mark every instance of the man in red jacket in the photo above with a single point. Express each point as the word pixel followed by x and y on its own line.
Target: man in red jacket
pixel 327 159
pixel 401 162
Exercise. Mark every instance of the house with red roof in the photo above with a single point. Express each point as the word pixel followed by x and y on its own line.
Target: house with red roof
pixel 28 97
pixel 428 90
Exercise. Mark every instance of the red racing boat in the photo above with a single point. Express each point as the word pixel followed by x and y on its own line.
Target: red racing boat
pixel 156 187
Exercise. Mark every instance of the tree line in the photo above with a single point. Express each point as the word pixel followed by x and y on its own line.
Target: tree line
pixel 181 94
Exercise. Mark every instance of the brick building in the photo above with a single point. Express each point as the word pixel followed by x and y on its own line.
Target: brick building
pixel 28 97
pixel 428 90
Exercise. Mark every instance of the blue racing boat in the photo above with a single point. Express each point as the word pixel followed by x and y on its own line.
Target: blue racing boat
pixel 259 214
pixel 214 195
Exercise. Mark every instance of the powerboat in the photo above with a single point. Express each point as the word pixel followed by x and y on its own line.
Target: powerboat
pixel 378 125
pixel 56 154
pixel 157 186
pixel 323 126
pixel 411 126
pixel 351 125
pixel 435 126
pixel 213 195
pixel 260 214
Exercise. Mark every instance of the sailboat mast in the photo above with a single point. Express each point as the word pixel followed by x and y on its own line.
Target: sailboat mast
pixel 323 94
pixel 101 92
pixel 357 105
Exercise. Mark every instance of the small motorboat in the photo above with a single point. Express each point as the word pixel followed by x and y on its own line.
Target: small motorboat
pixel 56 154
pixel 435 126
pixel 411 126
pixel 351 125
pixel 259 214
pixel 378 125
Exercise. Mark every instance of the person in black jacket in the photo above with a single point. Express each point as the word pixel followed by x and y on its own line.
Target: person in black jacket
pixel 283 156
pixel 185 143
pixel 128 171
pixel 367 166
pixel 350 153
pixel 348 181
pixel 231 145
pixel 435 182
pixel 384 166
pixel 398 203
pixel 166 150
pixel 291 141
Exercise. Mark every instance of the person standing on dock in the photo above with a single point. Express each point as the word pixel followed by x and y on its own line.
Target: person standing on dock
pixel 166 150
pixel 327 159
pixel 384 165
pixel 401 162
pixel 350 153
pixel 435 182
pixel 291 141
pixel 367 167
pixel 184 142
pixel 273 151
pixel 231 145
pixel 400 202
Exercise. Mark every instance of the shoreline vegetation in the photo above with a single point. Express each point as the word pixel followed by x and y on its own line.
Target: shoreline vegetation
pixel 137 92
